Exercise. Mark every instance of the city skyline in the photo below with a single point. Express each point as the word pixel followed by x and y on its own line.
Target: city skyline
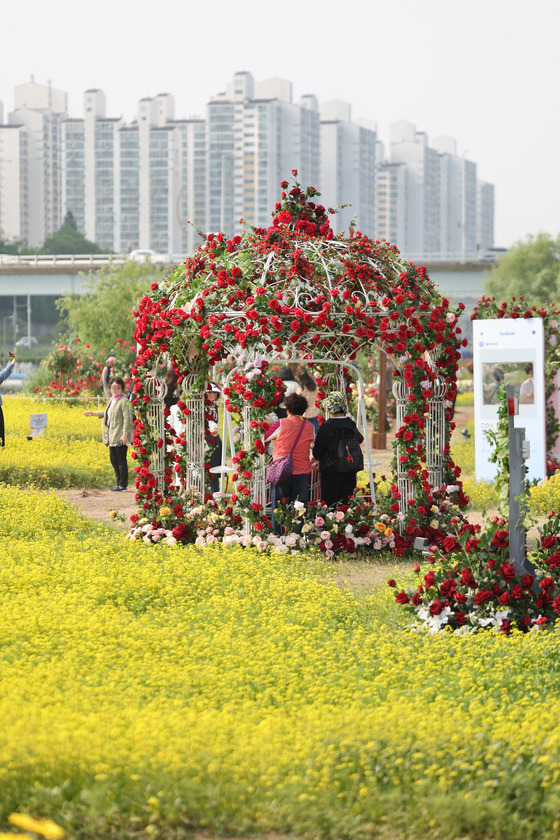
pixel 135 185
pixel 480 76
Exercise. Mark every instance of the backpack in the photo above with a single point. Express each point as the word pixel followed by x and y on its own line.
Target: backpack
pixel 349 458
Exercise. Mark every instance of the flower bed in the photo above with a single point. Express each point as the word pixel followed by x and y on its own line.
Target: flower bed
pixel 350 529
pixel 66 455
pixel 472 583
pixel 170 691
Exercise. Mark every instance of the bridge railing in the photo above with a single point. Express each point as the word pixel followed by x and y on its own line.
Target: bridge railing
pixel 77 259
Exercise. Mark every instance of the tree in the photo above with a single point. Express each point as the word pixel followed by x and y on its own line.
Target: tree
pixel 14 246
pixel 68 240
pixel 530 268
pixel 103 313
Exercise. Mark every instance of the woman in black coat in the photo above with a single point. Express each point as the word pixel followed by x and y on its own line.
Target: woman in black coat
pixel 336 487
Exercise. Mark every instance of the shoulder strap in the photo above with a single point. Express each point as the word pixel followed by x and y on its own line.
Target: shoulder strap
pixel 298 435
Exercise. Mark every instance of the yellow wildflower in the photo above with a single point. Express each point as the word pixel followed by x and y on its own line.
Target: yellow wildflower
pixel 46 828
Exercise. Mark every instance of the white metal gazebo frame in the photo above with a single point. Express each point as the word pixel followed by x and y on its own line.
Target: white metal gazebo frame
pixel 258 482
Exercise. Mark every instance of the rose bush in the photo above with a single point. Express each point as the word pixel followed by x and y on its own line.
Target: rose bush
pixel 471 583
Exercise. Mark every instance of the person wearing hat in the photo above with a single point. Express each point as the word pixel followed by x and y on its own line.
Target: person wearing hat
pixel 336 487
pixel 211 412
pixel 3 376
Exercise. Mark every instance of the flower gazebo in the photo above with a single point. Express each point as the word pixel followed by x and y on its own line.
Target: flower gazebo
pixel 294 291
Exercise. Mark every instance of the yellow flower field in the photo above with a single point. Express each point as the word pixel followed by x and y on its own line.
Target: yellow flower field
pixel 70 453
pixel 157 691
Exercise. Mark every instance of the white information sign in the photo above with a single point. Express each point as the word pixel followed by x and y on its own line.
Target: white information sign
pixel 37 424
pixel 509 350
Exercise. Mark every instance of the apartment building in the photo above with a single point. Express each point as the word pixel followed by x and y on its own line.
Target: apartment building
pixel 348 167
pixel 256 136
pixel 390 200
pixel 14 183
pixel 429 199
pixel 484 218
pixel 158 182
pixel 33 202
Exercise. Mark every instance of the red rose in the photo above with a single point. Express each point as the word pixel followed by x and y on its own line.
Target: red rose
pixel 507 571
pixel 436 607
pixel 447 587
pixel 470 545
pixel 554 560
pixel 467 578
pixel 527 581
pixel 501 539
pixel 402 598
pixel 546 583
pixel 429 579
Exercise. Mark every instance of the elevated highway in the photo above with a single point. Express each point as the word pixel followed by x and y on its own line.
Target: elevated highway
pixel 46 274
pixel 55 275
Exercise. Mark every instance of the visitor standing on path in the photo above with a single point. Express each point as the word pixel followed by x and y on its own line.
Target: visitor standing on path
pixel 289 435
pixel 336 486
pixel 3 376
pixel 213 394
pixel 290 385
pixel 119 429
pixel 308 389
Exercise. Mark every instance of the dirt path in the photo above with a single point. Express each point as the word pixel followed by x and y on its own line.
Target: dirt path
pixel 98 504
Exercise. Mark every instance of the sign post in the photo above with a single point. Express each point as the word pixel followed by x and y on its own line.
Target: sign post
pixel 38 424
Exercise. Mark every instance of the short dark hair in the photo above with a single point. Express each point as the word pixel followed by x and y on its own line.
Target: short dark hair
pixel 118 380
pixel 286 374
pixel 296 404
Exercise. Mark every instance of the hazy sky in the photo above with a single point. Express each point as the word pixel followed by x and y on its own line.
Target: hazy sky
pixel 485 72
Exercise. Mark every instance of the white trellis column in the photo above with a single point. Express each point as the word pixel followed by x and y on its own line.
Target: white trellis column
pixel 195 438
pixel 257 483
pixel 435 434
pixel 155 389
pixel 404 483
